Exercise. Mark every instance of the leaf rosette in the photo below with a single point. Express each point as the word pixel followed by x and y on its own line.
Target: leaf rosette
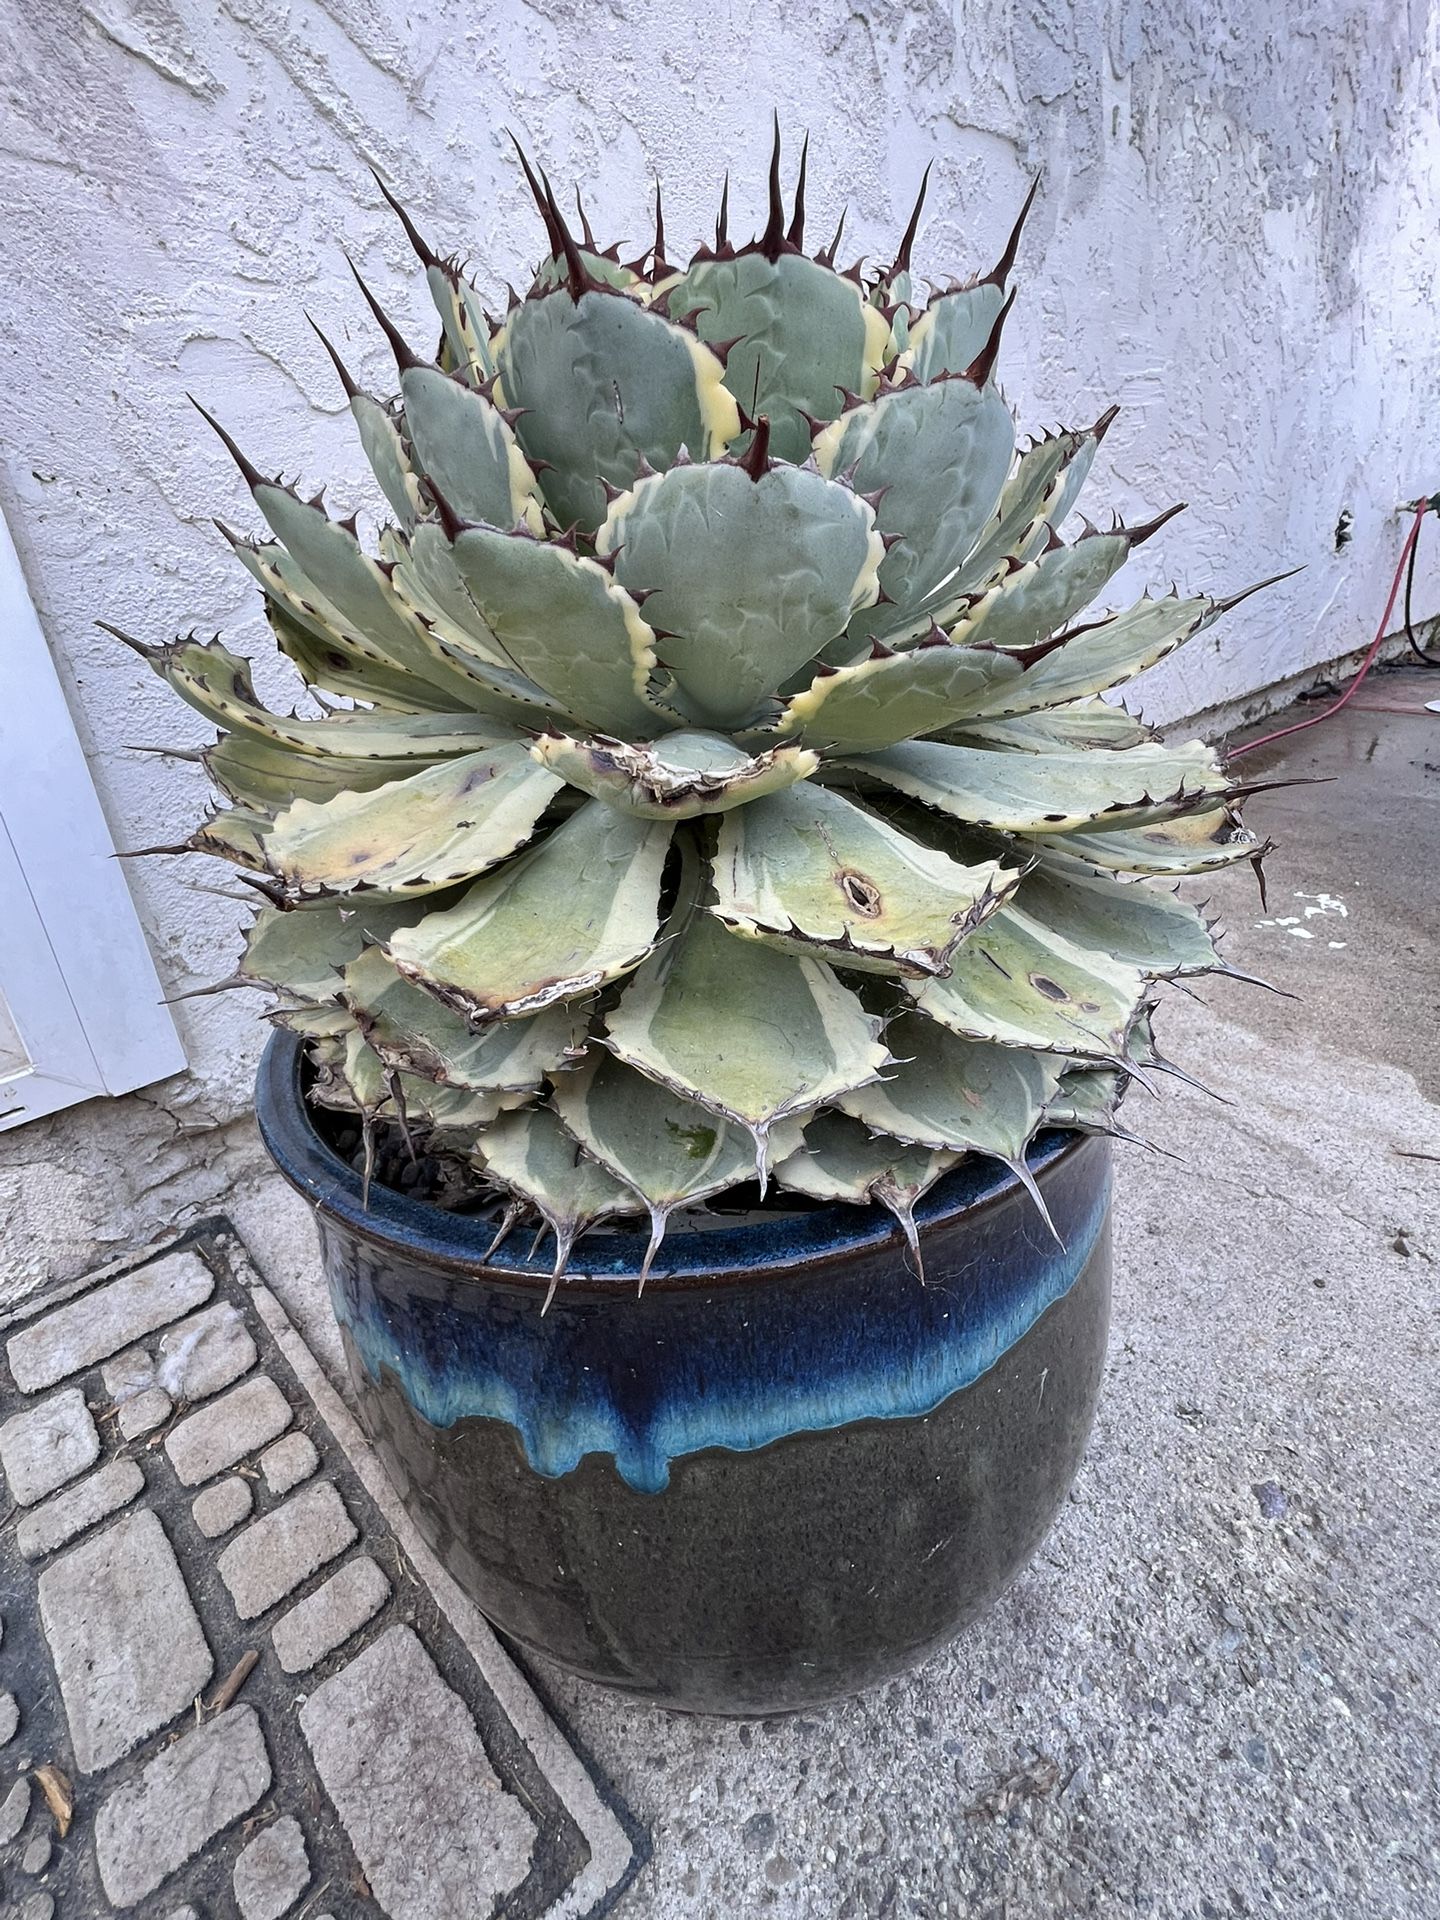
pixel 713 780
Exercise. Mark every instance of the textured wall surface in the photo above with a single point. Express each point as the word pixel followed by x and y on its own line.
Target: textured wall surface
pixel 1235 239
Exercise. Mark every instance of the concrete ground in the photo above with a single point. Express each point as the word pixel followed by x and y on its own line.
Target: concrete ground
pixel 1214 1691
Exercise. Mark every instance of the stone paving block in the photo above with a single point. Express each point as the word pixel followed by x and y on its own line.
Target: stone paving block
pixel 14 1810
pixel 36 1856
pixel 272 1872
pixel 205 1443
pixel 9 1717
pixel 127 1644
pixel 185 1796
pixel 223 1506
pixel 318 1623
pixel 282 1548
pixel 288 1462
pixel 108 1489
pixel 144 1413
pixel 204 1353
pixel 43 1447
pixel 140 1405
pixel 128 1374
pixel 436 1835
pixel 98 1324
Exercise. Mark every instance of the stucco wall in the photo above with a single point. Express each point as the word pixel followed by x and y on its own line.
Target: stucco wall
pixel 1235 239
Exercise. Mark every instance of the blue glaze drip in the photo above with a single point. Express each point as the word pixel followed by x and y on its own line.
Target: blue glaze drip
pixel 734 1368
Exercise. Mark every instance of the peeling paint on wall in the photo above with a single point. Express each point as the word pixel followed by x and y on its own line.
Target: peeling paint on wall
pixel 1235 239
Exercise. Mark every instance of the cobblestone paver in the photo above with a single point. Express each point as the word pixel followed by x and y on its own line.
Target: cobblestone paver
pixel 318 1624
pixel 64 1515
pixel 232 1678
pixel 388 1730
pixel 43 1447
pixel 282 1548
pixel 126 1640
pixel 223 1506
pixel 226 1430
pixel 272 1872
pixel 98 1324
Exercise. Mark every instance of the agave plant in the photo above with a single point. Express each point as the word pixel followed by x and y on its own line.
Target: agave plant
pixel 722 788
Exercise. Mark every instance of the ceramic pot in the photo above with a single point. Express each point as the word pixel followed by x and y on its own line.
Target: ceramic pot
pixel 787 1471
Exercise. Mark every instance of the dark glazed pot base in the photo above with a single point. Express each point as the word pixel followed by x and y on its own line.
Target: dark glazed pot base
pixel 785 1472
pixel 759 1582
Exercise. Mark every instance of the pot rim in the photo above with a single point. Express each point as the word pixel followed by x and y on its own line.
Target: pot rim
pixel 609 1261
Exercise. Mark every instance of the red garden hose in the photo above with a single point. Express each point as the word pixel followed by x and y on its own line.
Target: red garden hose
pixel 1314 720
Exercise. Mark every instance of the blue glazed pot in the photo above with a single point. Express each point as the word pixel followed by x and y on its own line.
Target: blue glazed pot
pixel 788 1471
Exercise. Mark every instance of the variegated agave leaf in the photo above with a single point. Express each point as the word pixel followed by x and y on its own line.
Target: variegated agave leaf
pixel 956 1095
pixel 749 574
pixel 676 778
pixel 532 1156
pixel 726 681
pixel 811 873
pixel 841 1159
pixel 672 1151
pixel 417 835
pixel 417 1034
pixel 794 1036
pixel 578 910
pixel 1050 793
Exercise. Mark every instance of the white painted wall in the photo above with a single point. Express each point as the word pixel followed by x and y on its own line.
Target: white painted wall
pixel 1235 239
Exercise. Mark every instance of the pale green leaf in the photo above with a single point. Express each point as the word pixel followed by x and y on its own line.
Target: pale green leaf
pixel 1191 843
pixel 1040 491
pixel 343 577
pixel 842 1160
pixel 531 1155
pixel 417 1034
pixel 446 824
pixel 950 335
pixel 670 1149
pixel 1094 659
pixel 217 683
pixel 318 637
pixel 560 620
pixel 747 578
pixel 302 951
pixel 674 778
pixel 258 773
pixel 389 458
pixel 1088 723
pixel 236 833
pixel 559 921
pixel 1017 983
pixel 957 1095
pixel 465 446
pixel 754 1035
pixel 312 1023
pixel 1087 1099
pixel 1047 792
pixel 893 697
pixel 802 333
pixel 462 320
pixel 342 672
pixel 808 872
pixel 606 383
pixel 1145 927
pixel 938 456
pixel 1042 596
